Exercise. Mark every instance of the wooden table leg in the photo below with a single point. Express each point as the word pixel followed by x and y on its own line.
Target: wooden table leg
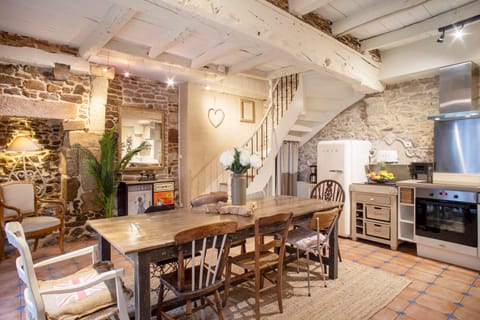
pixel 104 249
pixel 142 286
pixel 333 254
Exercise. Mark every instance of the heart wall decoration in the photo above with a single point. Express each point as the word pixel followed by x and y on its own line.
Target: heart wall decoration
pixel 216 117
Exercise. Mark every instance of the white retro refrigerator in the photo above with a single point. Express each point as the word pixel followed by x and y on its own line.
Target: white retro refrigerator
pixel 344 161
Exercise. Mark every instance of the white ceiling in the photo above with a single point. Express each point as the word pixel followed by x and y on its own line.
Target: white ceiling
pixel 209 40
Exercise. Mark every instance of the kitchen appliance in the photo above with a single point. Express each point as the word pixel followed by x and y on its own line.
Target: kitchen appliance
pixel 422 171
pixel 446 225
pixel 457 127
pixel 344 161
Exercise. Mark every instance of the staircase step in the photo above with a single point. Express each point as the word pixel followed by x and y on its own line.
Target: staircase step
pixel 300 128
pixel 293 138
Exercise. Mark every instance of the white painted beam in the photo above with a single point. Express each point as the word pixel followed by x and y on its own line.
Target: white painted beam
pixel 250 63
pixel 223 48
pixel 166 41
pixel 375 12
pixel 301 7
pixel 273 28
pixel 115 19
pixel 420 30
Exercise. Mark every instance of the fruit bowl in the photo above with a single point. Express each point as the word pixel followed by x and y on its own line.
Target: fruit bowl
pixel 381 177
pixel 380 180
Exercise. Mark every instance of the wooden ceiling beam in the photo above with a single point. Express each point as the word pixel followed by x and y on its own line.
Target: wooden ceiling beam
pixel 373 13
pixel 115 19
pixel 302 7
pixel 221 49
pixel 167 41
pixel 420 30
pixel 268 26
pixel 249 63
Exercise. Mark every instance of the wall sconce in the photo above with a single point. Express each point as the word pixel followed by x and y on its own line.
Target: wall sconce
pixel 23 145
pixel 457 26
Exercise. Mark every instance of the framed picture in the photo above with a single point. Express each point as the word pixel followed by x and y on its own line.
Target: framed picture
pixel 247 110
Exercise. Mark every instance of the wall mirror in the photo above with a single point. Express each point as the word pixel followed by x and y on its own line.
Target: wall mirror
pixel 137 125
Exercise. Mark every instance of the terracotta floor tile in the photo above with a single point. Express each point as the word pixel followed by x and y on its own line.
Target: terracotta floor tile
pixel 409 293
pixel 460 276
pixel 418 285
pixel 398 304
pixel 420 275
pixel 420 312
pixel 472 303
pixel 452 284
pixel 436 303
pixel 440 294
pixel 394 268
pixel 466 314
pixel 385 314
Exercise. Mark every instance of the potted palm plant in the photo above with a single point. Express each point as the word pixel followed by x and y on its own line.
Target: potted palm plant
pixel 107 169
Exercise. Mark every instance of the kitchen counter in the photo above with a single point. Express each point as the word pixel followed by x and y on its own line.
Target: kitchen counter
pixel 461 186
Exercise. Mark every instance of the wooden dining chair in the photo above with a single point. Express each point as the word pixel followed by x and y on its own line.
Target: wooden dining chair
pixel 198 276
pixel 95 291
pixel 314 240
pixel 268 255
pixel 19 202
pixel 213 198
pixel 330 190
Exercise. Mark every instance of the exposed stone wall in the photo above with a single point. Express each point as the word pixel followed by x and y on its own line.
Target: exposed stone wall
pixel 395 119
pixel 15 40
pixel 152 95
pixel 52 105
pixel 48 134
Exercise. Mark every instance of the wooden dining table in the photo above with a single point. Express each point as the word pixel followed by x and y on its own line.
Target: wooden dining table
pixel 149 238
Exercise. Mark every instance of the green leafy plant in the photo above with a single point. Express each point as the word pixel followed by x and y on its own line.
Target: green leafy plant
pixel 107 169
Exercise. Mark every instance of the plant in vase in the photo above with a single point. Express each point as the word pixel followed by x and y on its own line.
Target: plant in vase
pixel 107 169
pixel 238 161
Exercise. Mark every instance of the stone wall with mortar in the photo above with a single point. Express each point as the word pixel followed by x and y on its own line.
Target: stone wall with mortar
pixel 395 119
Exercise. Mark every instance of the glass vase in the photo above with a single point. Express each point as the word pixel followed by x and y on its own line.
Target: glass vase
pixel 239 189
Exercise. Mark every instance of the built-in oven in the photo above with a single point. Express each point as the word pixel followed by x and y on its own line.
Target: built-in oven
pixel 447 215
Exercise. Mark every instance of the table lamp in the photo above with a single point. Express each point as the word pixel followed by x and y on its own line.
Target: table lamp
pixel 23 145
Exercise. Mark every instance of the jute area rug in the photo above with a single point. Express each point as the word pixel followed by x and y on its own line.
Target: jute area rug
pixel 358 293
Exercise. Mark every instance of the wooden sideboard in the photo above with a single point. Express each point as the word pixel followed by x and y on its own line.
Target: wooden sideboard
pixel 134 197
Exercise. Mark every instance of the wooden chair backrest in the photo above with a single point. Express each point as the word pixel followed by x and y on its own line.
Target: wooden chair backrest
pixel 26 272
pixel 206 248
pixel 324 220
pixel 266 226
pixel 18 194
pixel 328 189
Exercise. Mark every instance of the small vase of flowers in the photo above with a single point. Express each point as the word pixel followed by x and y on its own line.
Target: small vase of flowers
pixel 238 161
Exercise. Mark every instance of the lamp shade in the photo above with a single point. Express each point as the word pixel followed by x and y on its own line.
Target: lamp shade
pixel 22 143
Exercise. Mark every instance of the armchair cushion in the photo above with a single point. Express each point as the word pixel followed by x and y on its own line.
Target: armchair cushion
pixel 305 239
pixel 74 305
pixel 39 223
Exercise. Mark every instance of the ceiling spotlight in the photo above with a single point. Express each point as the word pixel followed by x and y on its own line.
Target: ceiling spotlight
pixel 170 82
pixel 441 37
pixel 126 74
pixel 458 31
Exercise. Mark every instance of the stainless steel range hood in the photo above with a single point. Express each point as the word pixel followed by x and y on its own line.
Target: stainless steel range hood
pixel 458 92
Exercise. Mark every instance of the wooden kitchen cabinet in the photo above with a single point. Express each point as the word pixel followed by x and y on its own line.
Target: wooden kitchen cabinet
pixel 406 213
pixel 374 213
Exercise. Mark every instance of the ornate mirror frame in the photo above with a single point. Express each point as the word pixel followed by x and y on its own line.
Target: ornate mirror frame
pixel 139 124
